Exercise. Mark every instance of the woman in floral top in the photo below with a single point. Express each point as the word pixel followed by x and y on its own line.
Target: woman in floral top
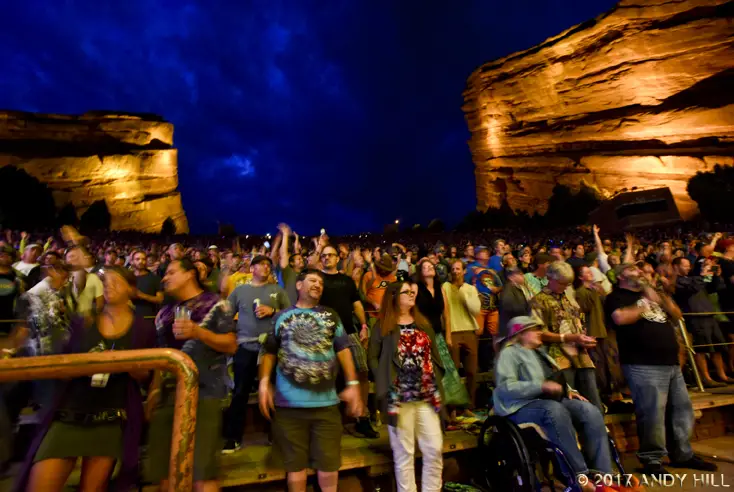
pixel 404 359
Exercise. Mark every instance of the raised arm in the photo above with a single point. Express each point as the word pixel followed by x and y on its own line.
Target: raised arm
pixel 285 232
pixel 629 254
pixel 601 254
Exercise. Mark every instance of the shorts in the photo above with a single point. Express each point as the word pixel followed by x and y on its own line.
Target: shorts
pixel 359 354
pixel 208 442
pixel 308 438
pixel 706 331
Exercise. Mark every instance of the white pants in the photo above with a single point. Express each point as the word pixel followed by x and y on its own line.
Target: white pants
pixel 417 419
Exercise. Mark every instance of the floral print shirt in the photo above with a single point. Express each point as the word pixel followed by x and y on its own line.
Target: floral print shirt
pixel 48 315
pixel 416 379
pixel 561 315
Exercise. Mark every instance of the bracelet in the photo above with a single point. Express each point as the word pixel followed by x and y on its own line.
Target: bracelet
pixel 353 383
pixel 563 337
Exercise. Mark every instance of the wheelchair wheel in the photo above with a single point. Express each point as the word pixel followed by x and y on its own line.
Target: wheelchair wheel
pixel 503 460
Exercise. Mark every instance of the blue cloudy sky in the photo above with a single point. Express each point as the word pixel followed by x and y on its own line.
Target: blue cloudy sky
pixel 344 114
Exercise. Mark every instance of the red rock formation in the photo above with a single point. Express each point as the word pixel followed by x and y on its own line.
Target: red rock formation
pixel 639 97
pixel 127 160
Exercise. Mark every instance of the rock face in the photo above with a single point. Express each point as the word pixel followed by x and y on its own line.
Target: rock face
pixel 642 96
pixel 127 160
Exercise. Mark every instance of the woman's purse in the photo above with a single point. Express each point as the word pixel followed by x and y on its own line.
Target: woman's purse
pixel 454 391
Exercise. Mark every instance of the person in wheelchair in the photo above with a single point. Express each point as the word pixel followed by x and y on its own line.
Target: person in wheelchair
pixel 531 389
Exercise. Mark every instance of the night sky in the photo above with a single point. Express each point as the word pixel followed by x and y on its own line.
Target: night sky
pixel 346 118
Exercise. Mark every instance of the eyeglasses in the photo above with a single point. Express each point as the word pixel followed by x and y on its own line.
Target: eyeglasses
pixel 407 293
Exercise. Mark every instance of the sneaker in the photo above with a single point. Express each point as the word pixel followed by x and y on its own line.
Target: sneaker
pixel 655 470
pixel 695 463
pixel 364 428
pixel 231 446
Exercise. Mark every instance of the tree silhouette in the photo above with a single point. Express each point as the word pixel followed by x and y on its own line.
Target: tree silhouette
pixel 25 202
pixel 436 225
pixel 96 218
pixel 168 228
pixel 713 191
pixel 566 208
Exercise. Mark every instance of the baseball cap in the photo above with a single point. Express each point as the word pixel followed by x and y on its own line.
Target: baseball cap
pixel 260 258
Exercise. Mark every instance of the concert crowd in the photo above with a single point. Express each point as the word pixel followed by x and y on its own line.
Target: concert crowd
pixel 573 324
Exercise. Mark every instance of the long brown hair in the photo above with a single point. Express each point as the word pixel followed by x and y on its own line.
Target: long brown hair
pixel 390 310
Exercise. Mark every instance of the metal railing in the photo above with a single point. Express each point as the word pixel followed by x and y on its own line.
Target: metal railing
pixel 691 349
pixel 181 464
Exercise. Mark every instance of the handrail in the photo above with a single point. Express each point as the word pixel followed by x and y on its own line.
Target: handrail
pixel 691 354
pixel 181 464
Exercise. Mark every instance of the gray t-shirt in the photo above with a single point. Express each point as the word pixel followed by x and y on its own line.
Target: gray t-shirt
pixel 248 325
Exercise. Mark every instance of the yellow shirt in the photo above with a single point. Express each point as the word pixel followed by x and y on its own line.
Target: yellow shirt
pixel 235 280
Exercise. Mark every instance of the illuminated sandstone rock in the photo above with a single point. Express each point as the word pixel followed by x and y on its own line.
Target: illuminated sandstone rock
pixel 639 97
pixel 126 160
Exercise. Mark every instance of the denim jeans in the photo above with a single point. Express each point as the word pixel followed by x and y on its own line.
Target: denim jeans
pixel 560 419
pixel 662 406
pixel 584 381
pixel 245 373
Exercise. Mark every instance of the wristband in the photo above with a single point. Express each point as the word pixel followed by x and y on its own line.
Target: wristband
pixel 563 337
pixel 353 383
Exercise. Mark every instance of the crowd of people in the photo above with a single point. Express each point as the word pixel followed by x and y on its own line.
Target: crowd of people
pixel 573 326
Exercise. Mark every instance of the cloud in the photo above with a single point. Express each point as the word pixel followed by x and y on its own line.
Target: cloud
pixel 346 115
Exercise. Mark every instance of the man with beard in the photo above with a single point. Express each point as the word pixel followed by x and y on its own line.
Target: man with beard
pixel 341 295
pixel 149 294
pixel 648 352
pixel 461 309
pixel 307 342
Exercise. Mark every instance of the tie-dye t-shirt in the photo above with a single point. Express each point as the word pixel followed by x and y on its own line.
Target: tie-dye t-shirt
pixel 306 342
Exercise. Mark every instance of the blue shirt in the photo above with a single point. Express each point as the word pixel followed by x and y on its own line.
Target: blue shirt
pixel 495 263
pixel 306 344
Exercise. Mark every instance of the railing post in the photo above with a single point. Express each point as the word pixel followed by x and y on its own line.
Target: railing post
pixel 181 466
pixel 691 355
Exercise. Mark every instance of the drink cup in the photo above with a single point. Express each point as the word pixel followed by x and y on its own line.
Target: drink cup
pixel 183 313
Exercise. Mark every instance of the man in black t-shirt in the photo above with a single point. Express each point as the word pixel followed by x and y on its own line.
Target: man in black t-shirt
pixel 648 351
pixel 149 294
pixel 341 295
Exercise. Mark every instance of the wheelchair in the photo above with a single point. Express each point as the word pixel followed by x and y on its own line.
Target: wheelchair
pixel 519 458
